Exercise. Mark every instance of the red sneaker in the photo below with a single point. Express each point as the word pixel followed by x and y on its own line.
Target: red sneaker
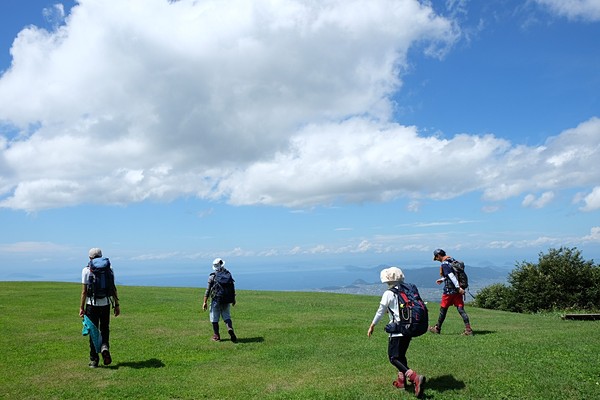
pixel 419 381
pixel 216 338
pixel 399 383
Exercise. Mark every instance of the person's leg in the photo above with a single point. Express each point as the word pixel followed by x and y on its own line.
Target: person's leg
pixel 226 315
pixel 460 306
pixel 444 304
pixel 397 347
pixel 105 332
pixel 442 316
pixel 468 331
pixel 215 313
pixel 94 316
pixel 104 314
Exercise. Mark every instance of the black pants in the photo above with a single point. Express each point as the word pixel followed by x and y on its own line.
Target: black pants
pixel 397 347
pixel 100 316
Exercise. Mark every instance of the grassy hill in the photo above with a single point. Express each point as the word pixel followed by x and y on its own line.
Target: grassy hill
pixel 292 346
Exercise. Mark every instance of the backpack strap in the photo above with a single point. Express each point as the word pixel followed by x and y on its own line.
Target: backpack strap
pixel 91 285
pixel 395 292
pixel 404 310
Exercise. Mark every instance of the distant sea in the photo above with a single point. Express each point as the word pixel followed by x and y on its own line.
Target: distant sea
pixel 349 279
pixel 343 279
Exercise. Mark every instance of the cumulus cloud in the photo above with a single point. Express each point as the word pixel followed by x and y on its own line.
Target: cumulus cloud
pixel 591 201
pixel 254 102
pixel 587 10
pixel 132 100
pixel 531 201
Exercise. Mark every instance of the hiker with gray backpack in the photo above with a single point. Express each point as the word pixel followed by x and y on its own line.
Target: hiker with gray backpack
pixel 452 274
pixel 408 318
pixel 221 290
pixel 97 295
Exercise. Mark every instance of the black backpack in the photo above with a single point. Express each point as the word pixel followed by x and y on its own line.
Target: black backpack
pixel 413 320
pixel 223 290
pixel 458 267
pixel 102 280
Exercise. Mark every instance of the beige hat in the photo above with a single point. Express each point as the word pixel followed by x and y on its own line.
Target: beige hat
pixel 392 274
pixel 95 253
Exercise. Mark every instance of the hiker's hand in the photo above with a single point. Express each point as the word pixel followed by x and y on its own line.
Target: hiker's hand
pixel 233 304
pixel 117 311
pixel 439 281
pixel 461 290
pixel 204 306
pixel 81 312
pixel 370 331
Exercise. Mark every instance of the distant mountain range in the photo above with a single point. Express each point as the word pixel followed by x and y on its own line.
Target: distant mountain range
pixel 424 278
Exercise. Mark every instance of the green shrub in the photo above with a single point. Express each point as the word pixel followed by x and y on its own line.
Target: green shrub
pixel 561 280
pixel 496 297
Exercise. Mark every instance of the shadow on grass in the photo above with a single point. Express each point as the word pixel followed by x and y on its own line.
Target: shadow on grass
pixel 477 333
pixel 443 383
pixel 151 363
pixel 258 339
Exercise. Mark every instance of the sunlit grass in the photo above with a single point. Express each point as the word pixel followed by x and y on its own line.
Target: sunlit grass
pixel 292 346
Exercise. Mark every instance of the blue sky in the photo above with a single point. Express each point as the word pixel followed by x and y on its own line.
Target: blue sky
pixel 295 135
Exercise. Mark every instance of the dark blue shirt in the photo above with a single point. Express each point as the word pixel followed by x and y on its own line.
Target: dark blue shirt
pixel 446 269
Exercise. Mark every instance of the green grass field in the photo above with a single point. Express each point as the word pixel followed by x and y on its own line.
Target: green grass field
pixel 292 346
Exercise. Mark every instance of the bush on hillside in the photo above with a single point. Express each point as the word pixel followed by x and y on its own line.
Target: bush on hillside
pixel 496 297
pixel 561 280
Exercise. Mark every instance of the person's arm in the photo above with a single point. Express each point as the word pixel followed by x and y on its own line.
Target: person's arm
pixel 207 293
pixel 117 305
pixel 454 280
pixel 82 300
pixel 233 304
pixel 380 311
pixel 383 307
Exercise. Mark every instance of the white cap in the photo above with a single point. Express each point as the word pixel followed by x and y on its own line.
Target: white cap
pixel 392 274
pixel 95 253
pixel 218 261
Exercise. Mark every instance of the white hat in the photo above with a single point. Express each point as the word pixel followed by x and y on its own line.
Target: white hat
pixel 218 261
pixel 392 274
pixel 95 253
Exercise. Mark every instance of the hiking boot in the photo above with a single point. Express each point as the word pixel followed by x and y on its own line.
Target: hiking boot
pixel 232 335
pixel 216 338
pixel 399 383
pixel 419 382
pixel 93 364
pixel 106 358
pixel 434 329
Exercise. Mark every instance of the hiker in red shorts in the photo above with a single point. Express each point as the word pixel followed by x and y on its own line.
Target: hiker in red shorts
pixel 453 294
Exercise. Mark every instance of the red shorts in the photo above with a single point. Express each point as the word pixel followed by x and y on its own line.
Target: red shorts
pixel 452 300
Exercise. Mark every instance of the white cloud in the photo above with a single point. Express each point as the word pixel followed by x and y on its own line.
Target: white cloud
pixel 592 200
pixel 594 235
pixel 255 102
pixel 531 201
pixel 184 94
pixel 32 247
pixel 414 206
pixel 490 209
pixel 587 10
